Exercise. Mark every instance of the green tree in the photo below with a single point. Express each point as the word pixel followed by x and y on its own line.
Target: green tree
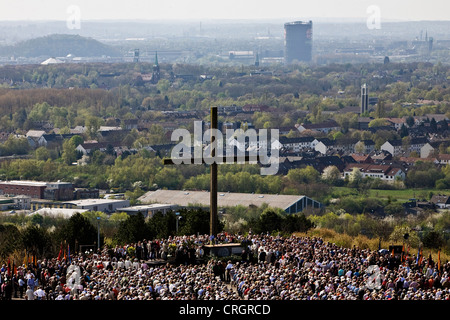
pixel 269 221
pixel 398 236
pixel 92 125
pixel 9 234
pixel 76 140
pixel 77 230
pixel 303 175
pixel 331 174
pixel 394 208
pixel 196 220
pixel 36 240
pixel 162 225
pixel 42 153
pixel 378 123
pixel 433 240
pixel 133 229
pixel 296 223
pixel 355 177
pixel 404 131
pixel 169 178
pixel 380 110
pixel 69 154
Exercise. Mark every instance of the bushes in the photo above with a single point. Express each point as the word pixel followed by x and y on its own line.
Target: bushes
pixel 344 240
pixel 271 220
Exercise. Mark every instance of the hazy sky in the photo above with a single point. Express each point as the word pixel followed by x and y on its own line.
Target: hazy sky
pixel 223 9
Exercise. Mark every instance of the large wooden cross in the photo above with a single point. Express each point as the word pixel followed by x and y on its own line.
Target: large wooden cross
pixel 213 215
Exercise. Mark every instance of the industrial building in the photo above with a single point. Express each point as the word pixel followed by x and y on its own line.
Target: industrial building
pixel 58 191
pixel 104 205
pixel 289 203
pixel 55 191
pixel 364 98
pixel 58 212
pixel 297 41
pixel 148 210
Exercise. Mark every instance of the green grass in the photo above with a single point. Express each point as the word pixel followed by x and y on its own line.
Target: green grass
pixel 398 195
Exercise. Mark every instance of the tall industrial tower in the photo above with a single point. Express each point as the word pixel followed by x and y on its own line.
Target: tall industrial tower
pixel 136 55
pixel 364 98
pixel 297 41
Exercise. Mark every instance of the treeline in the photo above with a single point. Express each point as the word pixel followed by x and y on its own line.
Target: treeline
pixel 43 236
pixel 75 91
pixel 143 171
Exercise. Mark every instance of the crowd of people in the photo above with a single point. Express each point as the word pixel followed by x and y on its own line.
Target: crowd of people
pixel 269 268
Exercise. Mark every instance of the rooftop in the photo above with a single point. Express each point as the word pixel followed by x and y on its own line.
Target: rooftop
pixel 55 212
pixel 25 183
pixel 224 199
pixel 147 207
pixel 87 202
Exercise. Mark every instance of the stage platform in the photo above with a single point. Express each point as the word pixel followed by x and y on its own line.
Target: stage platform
pixel 223 249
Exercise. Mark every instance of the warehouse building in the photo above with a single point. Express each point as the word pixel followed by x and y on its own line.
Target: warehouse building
pixel 105 205
pixel 182 198
pixel 148 210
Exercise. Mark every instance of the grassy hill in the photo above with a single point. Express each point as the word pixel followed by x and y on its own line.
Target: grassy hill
pixel 59 45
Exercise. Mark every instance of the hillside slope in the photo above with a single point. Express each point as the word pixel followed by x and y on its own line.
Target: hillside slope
pixel 59 45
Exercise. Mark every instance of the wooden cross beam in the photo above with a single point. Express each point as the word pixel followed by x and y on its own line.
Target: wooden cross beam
pixel 213 216
pixel 216 159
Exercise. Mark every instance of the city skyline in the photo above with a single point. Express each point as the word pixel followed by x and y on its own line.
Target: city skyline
pixel 204 10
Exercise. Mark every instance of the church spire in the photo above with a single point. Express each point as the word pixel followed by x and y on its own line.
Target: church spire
pixel 156 58
pixel 156 72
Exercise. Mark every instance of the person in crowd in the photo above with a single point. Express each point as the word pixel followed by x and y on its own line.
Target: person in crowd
pixel 271 268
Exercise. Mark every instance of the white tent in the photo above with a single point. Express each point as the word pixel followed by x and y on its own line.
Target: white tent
pixel 51 61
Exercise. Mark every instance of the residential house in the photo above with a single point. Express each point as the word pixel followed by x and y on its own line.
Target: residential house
pixel 426 150
pixel 366 146
pixel 441 201
pixel 325 146
pixel 255 108
pixel 297 143
pixel 318 163
pixel 323 162
pixel 443 159
pixel 380 156
pixel 416 144
pixel 346 146
pixel 397 123
pixel 384 172
pixel 53 140
pixel 325 127
pixel 362 158
pixel 394 147
pixel 87 148
pixel 427 117
pixel 410 161
pixel 363 122
pixel 78 130
pixel 163 149
pixel 130 124
pixel 35 138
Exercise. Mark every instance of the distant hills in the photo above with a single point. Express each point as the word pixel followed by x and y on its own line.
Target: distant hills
pixel 59 45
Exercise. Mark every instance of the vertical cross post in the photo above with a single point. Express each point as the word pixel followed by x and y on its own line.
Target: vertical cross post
pixel 213 182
